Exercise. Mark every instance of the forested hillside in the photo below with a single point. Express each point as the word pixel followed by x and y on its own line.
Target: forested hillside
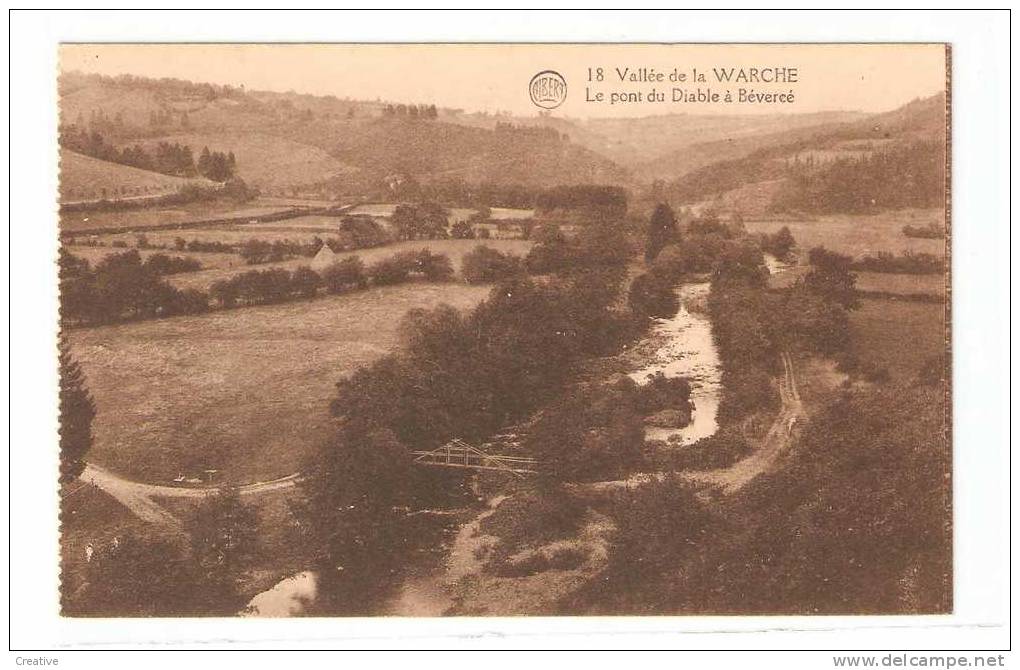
pixel 887 161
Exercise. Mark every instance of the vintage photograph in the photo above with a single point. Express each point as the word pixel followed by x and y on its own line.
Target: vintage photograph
pixel 448 330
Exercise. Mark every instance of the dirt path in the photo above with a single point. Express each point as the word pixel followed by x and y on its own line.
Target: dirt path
pixel 139 497
pixel 777 440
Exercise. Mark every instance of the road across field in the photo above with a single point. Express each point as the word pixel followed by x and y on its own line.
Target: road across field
pixel 139 497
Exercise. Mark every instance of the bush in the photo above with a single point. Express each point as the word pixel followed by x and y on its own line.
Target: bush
pixel 344 275
pixel 565 558
pixel 485 265
pixel 652 295
pixel 531 519
pixel 721 450
pixel 435 267
pixel 305 282
pixel 393 270
pixel 162 264
pixel 661 392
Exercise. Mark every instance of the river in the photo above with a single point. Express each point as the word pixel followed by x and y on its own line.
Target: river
pixel 686 349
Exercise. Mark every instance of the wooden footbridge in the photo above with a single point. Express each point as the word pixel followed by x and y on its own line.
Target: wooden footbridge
pixel 459 454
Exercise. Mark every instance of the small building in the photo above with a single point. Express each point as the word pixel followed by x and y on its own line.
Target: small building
pixel 324 258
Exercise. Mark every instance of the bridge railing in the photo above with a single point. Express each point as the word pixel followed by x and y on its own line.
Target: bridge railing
pixel 459 454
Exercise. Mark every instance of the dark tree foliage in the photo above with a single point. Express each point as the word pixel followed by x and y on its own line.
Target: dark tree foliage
pixel 223 536
pixel 780 243
pixel 907 262
pixel 216 165
pixel 645 561
pixel 122 287
pixel 905 175
pixel 462 231
pixel 162 264
pixel 590 434
pixel 485 265
pixel 166 158
pixel 612 200
pixel 393 270
pixel 360 479
pixel 858 519
pixel 345 275
pixel 361 232
pixel 433 267
pixel 77 410
pixel 653 295
pixel 831 277
pixel 139 577
pixel 256 251
pixel 661 231
pixel 602 244
pixel 467 376
pixel 425 221
pixel 260 287
pixel 305 282
pixel 697 254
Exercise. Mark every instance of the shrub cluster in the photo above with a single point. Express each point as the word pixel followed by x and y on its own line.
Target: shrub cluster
pixel 120 287
pixel 484 265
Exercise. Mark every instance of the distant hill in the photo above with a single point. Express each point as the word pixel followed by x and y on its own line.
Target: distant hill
pixel 84 179
pixel 287 142
pixel 669 145
pixel 885 161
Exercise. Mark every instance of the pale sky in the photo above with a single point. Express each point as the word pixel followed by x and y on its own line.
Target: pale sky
pixel 491 77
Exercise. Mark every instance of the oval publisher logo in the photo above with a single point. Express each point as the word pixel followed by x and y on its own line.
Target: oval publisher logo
pixel 548 89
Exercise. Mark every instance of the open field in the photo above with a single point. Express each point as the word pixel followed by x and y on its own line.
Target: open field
pixel 455 249
pixel 83 179
pixel 311 222
pixel 263 160
pixel 158 216
pixel 902 284
pixel 860 235
pixel 243 391
pixel 898 335
pixel 228 234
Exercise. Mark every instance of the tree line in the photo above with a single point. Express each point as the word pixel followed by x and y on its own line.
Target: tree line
pixel 906 262
pixel 904 175
pixel 167 158
pixel 411 111
pixel 123 287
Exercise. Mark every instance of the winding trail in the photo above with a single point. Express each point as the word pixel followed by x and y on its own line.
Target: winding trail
pixel 779 437
pixel 139 497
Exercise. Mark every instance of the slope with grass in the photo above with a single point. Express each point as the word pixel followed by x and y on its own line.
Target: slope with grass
pixel 87 179
pixel 243 391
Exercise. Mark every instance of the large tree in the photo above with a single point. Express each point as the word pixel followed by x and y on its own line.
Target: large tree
pixel 661 231
pixel 353 512
pixel 76 413
pixel 223 536
pixel 832 278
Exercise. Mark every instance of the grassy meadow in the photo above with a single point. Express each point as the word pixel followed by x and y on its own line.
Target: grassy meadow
pixel 898 335
pixel 902 284
pixel 860 235
pixel 244 391
pixel 158 216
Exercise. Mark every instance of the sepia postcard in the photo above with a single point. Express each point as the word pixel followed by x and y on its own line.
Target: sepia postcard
pixel 491 330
